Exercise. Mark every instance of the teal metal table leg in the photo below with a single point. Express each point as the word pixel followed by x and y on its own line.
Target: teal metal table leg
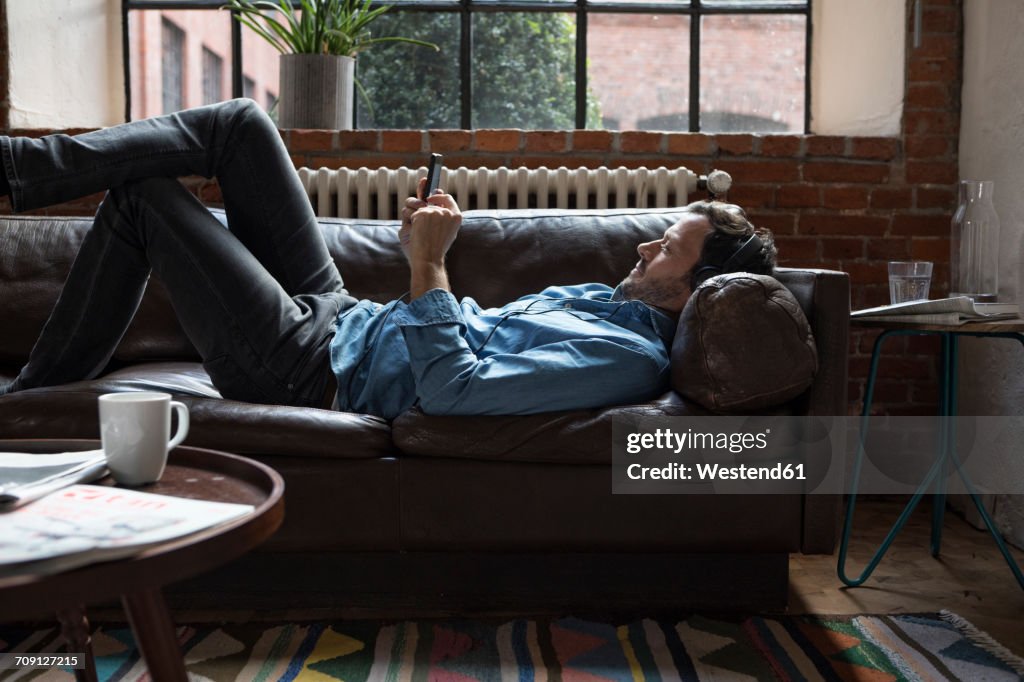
pixel 852 501
pixel 893 532
pixel 947 456
pixel 947 398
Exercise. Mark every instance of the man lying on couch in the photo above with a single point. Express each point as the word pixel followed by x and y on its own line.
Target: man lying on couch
pixel 265 306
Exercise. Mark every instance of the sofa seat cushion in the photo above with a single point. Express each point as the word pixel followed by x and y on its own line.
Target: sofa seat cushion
pixel 70 411
pixel 575 437
pixel 743 343
pixel 579 437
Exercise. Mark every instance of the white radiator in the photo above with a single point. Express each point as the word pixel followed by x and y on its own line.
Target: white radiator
pixel 368 193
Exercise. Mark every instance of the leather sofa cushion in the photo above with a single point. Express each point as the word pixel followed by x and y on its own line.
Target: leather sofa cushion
pixel 581 437
pixel 70 411
pixel 36 253
pixel 499 255
pixel 743 343
pixel 574 437
pixel 502 255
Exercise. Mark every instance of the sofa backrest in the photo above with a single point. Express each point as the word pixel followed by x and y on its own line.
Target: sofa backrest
pixel 498 256
pixel 502 255
pixel 36 253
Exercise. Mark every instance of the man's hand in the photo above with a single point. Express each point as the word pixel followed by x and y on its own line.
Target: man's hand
pixel 433 229
pixel 428 230
pixel 414 204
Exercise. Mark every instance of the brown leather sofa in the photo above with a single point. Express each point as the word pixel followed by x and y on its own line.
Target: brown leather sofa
pixel 458 513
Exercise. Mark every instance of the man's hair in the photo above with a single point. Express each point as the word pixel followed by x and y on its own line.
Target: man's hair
pixel 730 228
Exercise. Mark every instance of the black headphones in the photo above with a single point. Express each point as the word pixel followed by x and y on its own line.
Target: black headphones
pixel 740 257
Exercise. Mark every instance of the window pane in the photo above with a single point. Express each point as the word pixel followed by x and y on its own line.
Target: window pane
pixel 755 3
pixel 194 37
pixel 213 77
pixel 524 2
pixel 752 73
pixel 639 71
pixel 410 86
pixel 524 70
pixel 682 3
pixel 172 64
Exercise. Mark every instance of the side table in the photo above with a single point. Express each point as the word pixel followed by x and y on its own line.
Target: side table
pixel 137 580
pixel 948 383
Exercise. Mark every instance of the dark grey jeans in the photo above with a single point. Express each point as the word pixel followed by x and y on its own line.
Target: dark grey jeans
pixel 258 300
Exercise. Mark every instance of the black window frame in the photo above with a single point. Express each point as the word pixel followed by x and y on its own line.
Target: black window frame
pixel 695 9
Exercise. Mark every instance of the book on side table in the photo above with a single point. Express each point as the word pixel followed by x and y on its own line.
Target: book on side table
pixel 941 311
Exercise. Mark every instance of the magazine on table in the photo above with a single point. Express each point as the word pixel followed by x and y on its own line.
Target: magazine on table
pixel 84 524
pixel 942 311
pixel 25 477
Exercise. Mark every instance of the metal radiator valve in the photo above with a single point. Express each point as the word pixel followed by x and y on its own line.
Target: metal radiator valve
pixel 717 184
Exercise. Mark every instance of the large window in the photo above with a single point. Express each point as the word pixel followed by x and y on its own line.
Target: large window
pixel 677 65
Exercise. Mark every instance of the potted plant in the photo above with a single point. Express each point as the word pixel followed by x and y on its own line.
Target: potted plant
pixel 318 41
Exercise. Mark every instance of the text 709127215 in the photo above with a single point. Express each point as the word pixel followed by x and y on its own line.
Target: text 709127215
pixel 17 661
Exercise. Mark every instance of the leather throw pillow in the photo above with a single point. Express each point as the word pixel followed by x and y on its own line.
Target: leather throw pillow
pixel 742 344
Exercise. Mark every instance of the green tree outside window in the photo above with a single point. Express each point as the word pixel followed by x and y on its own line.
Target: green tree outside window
pixel 523 73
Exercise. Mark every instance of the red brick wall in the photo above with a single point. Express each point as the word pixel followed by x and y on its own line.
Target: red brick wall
pixel 846 203
pixel 637 67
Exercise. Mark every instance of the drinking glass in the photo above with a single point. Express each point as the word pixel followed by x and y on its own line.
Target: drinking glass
pixel 909 281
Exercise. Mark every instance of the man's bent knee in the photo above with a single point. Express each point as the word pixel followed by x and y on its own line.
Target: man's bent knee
pixel 151 189
pixel 133 198
pixel 244 111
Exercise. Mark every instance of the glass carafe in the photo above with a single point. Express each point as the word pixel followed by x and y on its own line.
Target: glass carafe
pixel 974 243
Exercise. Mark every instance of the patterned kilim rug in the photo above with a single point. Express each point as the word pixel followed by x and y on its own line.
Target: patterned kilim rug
pixel 905 647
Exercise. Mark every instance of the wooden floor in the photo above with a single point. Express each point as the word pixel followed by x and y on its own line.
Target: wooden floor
pixel 970 578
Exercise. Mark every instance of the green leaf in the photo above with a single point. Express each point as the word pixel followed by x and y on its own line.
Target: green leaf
pixel 339 27
pixel 262 32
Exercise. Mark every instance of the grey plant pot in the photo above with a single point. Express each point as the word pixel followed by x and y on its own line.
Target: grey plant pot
pixel 316 91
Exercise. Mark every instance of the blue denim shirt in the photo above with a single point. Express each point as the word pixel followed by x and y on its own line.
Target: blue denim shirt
pixel 569 347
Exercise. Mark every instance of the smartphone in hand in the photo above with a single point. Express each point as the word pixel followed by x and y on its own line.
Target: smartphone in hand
pixel 433 175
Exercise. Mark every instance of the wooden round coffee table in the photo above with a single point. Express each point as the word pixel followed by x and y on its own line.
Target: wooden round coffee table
pixel 193 473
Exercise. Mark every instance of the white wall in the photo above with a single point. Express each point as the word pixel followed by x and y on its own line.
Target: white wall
pixel 65 63
pixel 991 146
pixel 857 67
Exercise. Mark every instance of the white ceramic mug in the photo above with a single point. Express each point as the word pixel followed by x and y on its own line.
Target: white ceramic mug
pixel 135 429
